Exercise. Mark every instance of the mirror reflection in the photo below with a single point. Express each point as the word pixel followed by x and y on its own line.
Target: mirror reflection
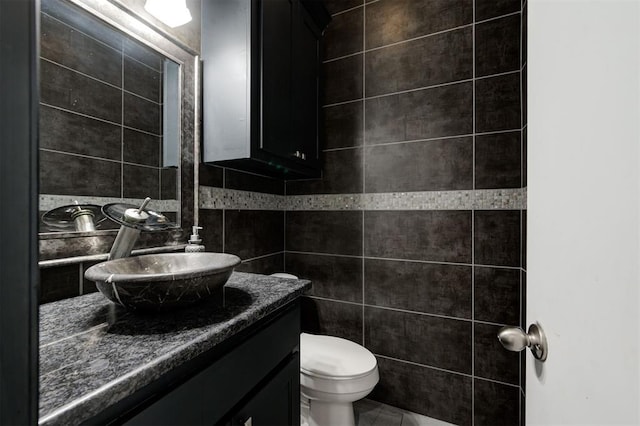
pixel 109 121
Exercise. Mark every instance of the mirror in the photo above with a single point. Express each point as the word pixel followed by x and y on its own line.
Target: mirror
pixel 111 125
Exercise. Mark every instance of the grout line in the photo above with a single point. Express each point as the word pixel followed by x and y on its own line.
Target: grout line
pixel 409 40
pixel 337 58
pixel 97 118
pixel 412 312
pixel 495 18
pixel 364 163
pixel 473 281
pixel 417 89
pixel 99 158
pixel 439 138
pixel 326 299
pixel 511 385
pixel 224 211
pixel 264 256
pixel 342 103
pixel 142 97
pixel 102 81
pixel 347 10
pixel 417 364
pixel 521 125
pixel 120 51
pixel 80 114
pixel 424 314
pixel 449 371
pixel 521 409
pixel 122 128
pixel 431 262
pixel 500 74
pixel 142 131
pixel 325 254
pixel 365 50
pixel 86 75
pixel 140 62
pixel 401 92
pixel 81 32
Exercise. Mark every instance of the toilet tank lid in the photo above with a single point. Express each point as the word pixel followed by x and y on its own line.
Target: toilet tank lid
pixel 331 356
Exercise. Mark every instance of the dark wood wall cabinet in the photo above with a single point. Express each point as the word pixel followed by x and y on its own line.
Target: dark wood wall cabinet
pixel 260 80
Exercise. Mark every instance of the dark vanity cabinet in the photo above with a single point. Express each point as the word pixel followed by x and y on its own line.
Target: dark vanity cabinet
pixel 261 90
pixel 251 379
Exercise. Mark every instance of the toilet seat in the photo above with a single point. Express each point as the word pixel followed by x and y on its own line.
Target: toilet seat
pixel 332 365
pixel 334 357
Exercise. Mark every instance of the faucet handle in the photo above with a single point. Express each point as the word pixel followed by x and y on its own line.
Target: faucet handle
pixel 137 215
pixel 144 204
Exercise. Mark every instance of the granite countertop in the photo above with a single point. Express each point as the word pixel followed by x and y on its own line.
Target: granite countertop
pixel 93 353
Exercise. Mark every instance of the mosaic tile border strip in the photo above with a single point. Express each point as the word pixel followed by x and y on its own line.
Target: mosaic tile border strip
pixel 491 199
pixel 233 199
pixel 50 201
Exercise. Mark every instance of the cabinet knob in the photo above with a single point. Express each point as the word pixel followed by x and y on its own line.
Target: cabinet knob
pixel 300 155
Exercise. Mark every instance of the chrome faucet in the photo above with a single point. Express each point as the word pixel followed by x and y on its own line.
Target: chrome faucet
pixel 132 221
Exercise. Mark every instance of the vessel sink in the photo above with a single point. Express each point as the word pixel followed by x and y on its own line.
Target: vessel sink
pixel 157 282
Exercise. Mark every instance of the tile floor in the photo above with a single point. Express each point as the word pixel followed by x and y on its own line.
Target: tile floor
pixel 372 413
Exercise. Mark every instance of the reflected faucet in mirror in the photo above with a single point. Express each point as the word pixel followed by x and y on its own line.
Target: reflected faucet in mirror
pixel 74 217
pixel 132 221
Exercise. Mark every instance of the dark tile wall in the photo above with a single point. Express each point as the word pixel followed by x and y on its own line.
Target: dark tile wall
pixel 100 112
pixel 422 95
pixel 256 236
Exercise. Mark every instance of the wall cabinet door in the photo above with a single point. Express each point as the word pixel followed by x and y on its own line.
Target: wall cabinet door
pixel 267 54
pixel 276 20
pixel 306 87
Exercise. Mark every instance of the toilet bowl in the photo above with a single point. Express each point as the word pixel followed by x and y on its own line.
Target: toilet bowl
pixel 334 373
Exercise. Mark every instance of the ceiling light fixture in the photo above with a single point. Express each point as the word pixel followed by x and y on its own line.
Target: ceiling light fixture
pixel 171 12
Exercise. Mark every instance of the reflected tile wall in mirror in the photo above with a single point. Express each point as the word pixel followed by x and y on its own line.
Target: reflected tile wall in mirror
pixel 100 111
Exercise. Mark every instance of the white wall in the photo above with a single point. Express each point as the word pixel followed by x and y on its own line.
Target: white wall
pixel 584 203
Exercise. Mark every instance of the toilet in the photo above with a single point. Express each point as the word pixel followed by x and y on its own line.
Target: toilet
pixel 334 373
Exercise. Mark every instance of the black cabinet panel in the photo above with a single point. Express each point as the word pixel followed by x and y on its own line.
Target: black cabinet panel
pixel 275 81
pixel 259 377
pixel 275 403
pixel 262 113
pixel 305 98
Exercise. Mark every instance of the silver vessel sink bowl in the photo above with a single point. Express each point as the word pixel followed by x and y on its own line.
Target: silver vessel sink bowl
pixel 158 282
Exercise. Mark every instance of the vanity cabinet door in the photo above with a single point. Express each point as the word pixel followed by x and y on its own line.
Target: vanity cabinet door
pixel 182 406
pixel 277 402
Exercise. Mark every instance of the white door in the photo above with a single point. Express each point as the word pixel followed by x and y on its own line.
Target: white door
pixel 583 210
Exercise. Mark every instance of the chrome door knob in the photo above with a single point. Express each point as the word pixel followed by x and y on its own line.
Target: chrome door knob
pixel 515 339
